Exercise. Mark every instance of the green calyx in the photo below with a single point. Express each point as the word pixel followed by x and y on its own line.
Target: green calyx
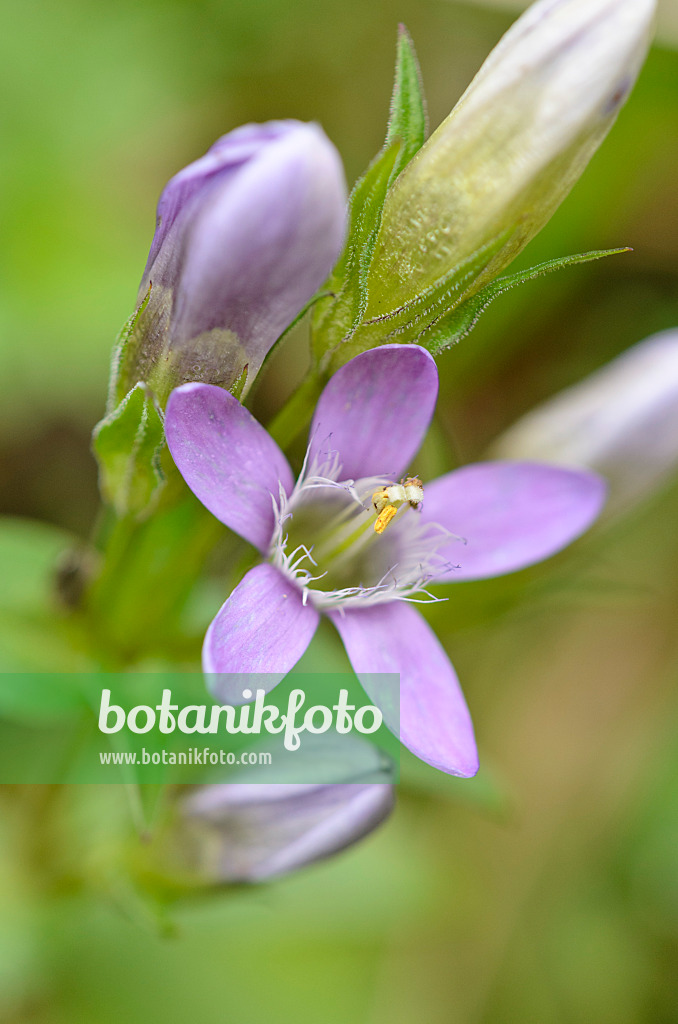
pixel 357 309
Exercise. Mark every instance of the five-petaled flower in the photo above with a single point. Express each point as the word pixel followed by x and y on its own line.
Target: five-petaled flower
pixel 323 555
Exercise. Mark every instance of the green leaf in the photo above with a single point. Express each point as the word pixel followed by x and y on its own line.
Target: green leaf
pixel 335 318
pixel 407 120
pixel 454 325
pixel 127 445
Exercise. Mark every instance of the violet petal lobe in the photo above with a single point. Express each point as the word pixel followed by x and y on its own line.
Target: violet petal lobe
pixel 262 831
pixel 263 628
pixel 510 514
pixel 435 723
pixel 259 248
pixel 375 410
pixel 229 461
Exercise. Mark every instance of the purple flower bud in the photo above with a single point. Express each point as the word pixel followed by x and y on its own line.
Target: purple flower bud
pixel 245 832
pixel 244 238
pixel 277 817
pixel 219 165
pixel 621 421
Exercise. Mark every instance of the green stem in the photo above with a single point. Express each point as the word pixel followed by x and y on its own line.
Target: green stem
pixel 147 571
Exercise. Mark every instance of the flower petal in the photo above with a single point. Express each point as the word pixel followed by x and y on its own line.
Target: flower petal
pixel 214 169
pixel 227 459
pixel 434 721
pixel 249 832
pixel 511 514
pixel 375 410
pixel 263 628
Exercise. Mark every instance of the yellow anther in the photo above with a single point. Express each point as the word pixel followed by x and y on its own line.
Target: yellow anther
pixel 384 518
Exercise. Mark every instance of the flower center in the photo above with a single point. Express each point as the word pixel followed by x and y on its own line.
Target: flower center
pixel 388 499
pixel 350 542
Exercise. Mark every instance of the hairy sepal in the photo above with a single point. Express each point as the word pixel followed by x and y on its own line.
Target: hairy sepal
pixel 455 324
pixel 127 445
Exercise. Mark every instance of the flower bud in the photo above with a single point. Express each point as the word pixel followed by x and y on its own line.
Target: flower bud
pixel 244 238
pixel 497 168
pixel 246 832
pixel 622 422
pixel 276 817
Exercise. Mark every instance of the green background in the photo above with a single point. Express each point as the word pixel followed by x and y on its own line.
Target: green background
pixel 74 728
pixel 545 890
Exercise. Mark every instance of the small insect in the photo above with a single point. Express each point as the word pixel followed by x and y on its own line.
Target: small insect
pixel 387 500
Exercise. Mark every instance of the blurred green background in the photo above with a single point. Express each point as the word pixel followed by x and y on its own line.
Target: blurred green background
pixel 547 889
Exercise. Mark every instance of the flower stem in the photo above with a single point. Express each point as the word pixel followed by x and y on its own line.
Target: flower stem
pixel 147 571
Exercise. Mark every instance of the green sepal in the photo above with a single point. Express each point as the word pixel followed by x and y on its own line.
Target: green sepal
pixel 454 325
pixel 333 319
pixel 341 313
pixel 408 322
pixel 121 354
pixel 127 444
pixel 236 388
pixel 407 121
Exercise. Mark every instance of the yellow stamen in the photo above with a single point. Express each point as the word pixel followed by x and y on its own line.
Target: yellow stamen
pixel 384 518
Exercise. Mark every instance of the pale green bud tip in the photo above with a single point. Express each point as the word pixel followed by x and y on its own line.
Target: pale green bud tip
pixel 622 421
pixel 513 147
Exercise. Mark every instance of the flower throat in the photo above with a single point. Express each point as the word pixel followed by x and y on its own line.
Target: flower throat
pixel 355 541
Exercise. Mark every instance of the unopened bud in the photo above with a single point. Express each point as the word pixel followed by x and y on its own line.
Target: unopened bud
pixel 245 236
pixel 496 169
pixel 622 421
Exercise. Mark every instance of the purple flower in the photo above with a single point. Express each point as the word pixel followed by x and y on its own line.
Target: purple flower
pixel 621 421
pixel 324 555
pixel 244 238
pixel 245 832
pixel 249 829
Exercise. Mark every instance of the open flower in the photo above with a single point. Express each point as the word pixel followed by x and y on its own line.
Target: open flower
pixel 245 236
pixel 324 555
